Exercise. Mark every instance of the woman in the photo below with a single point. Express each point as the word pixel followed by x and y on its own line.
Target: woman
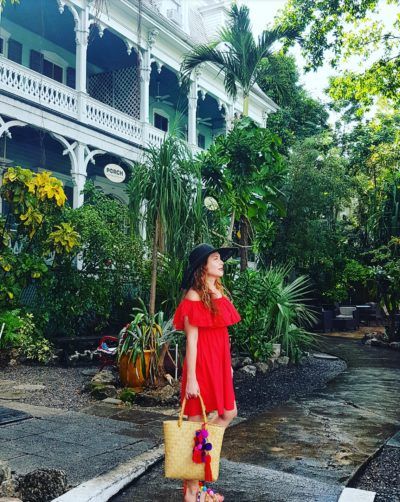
pixel 204 314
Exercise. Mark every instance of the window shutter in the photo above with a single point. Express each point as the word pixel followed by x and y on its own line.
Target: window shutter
pixel 15 51
pixel 58 73
pixel 36 61
pixel 71 77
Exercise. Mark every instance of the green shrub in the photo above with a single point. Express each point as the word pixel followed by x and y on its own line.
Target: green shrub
pixel 36 348
pixel 273 310
pixel 127 395
pixel 21 333
pixel 13 326
pixel 81 300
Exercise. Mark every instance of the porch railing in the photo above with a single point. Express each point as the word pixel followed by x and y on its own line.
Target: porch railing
pixel 44 91
pixel 34 87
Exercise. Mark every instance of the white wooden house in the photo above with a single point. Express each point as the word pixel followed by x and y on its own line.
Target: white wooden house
pixel 74 99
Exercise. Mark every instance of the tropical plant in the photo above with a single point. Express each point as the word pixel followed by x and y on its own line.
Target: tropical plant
pixel 39 233
pixel 11 324
pixel 164 194
pixel 146 332
pixel 273 310
pixel 386 271
pixel 242 171
pixel 22 334
pixel 236 53
pixel 111 274
pixel 36 348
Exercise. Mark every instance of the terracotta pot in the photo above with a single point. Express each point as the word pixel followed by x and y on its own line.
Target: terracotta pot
pixel 131 373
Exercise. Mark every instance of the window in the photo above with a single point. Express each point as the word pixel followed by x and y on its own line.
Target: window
pixel 160 122
pixel 201 141
pixel 42 65
pixel 52 70
pixel 15 51
pixel 1 46
pixel 36 61
pixel 71 77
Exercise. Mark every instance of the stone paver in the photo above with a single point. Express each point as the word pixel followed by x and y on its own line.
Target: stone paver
pixel 328 434
pixel 238 481
pixel 83 445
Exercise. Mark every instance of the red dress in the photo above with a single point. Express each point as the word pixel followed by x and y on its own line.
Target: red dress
pixel 213 363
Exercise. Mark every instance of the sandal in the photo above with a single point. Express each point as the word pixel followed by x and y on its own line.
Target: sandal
pixel 210 495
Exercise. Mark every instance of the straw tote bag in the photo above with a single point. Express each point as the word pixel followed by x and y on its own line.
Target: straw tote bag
pixel 180 442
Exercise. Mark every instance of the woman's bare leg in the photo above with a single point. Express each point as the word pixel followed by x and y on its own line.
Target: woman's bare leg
pixel 226 418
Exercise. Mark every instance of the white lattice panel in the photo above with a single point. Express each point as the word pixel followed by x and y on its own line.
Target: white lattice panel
pixel 119 89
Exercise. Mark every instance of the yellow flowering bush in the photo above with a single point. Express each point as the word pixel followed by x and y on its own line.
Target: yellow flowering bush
pixel 36 203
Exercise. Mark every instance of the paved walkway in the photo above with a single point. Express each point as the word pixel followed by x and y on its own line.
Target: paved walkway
pixel 82 444
pixel 301 451
pixel 306 449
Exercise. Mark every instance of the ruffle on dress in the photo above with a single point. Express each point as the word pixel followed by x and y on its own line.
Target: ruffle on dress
pixel 199 315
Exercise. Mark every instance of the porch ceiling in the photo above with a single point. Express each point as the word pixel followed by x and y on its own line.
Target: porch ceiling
pixel 43 18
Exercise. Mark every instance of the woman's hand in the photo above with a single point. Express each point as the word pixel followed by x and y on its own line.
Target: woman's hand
pixel 192 388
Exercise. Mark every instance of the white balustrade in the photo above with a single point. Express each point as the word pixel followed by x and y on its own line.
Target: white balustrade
pixel 153 136
pixel 112 120
pixel 37 88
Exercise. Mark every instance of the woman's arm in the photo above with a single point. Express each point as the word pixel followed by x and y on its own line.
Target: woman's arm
pixel 192 333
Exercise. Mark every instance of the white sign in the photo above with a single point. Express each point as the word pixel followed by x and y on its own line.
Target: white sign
pixel 114 173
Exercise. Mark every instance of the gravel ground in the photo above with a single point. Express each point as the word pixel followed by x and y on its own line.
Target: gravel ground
pixel 262 392
pixel 63 385
pixel 382 475
pixel 254 394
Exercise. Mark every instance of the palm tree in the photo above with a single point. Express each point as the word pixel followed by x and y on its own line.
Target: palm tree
pixel 160 185
pixel 168 187
pixel 236 53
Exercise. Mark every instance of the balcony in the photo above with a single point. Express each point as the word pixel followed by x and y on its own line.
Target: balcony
pixel 47 93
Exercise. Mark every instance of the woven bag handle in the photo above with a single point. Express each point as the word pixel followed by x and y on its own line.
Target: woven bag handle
pixel 203 409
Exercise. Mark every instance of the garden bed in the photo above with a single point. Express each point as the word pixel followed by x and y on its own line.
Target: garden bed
pixel 63 387
pixel 265 391
pixel 382 475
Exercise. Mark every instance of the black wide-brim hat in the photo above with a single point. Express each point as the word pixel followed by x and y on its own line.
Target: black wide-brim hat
pixel 199 256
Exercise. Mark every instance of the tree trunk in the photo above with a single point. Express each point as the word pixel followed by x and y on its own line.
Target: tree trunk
pixel 392 325
pixel 244 242
pixel 153 286
pixel 245 106
pixel 231 225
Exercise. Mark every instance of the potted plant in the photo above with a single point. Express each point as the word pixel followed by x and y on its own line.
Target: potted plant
pixel 140 344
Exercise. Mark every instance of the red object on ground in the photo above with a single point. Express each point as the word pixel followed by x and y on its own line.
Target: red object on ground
pixel 213 364
pixel 107 357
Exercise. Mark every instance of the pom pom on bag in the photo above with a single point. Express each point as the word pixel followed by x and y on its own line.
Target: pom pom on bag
pixel 186 455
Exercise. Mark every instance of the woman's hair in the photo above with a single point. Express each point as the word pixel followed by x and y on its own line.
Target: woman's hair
pixel 200 285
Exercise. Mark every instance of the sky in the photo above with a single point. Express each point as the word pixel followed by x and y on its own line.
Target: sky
pixel 262 12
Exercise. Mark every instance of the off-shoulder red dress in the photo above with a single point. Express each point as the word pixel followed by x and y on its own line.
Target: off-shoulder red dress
pixel 213 363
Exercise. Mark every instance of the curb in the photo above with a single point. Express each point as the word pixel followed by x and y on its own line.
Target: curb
pixel 103 487
pixel 355 495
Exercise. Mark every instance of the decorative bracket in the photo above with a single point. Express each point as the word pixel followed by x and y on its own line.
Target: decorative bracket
pixel 74 12
pixel 6 126
pixel 158 64
pixel 203 93
pixel 151 38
